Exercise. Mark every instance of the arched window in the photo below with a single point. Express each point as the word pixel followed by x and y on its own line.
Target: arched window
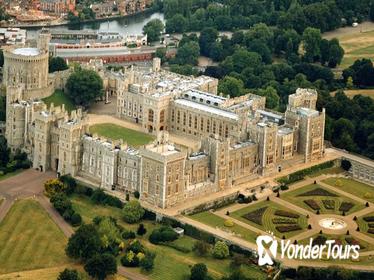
pixel 150 115
pixel 162 116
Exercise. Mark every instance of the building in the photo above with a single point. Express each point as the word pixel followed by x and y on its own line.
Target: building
pixel 238 138
pixel 57 7
pixel 12 36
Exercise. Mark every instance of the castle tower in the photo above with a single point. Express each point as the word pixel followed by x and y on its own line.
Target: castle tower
pixel 43 40
pixel 156 66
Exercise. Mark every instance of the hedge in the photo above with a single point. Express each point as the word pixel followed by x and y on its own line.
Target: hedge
pixel 300 175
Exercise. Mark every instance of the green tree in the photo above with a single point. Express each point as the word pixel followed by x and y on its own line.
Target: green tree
pixel 84 86
pixel 176 24
pixel 161 53
pixel 188 53
pixel 4 151
pixel 311 41
pixel 109 232
pixel 199 272
pixel 220 250
pixel 153 30
pixel 101 266
pixel 207 37
pixel 54 186
pixel 1 58
pixel 336 53
pixel 132 212
pixel 231 86
pixel 56 64
pixel 84 243
pixel 272 98
pixel 201 248
pixel 69 274
pixel 147 262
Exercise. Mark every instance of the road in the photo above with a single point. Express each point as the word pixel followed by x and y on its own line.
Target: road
pixel 30 183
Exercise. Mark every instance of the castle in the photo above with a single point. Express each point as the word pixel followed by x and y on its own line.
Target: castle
pixel 238 139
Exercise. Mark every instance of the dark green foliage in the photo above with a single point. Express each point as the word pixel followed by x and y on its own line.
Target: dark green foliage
pixel 153 29
pixel 69 274
pixel 136 194
pixel 84 243
pixel 76 219
pixel 101 266
pixel 84 86
pixel 201 248
pixel 141 230
pixel 56 64
pixel 199 272
pixel 147 262
pixel 163 234
pixel 2 108
pixel 128 234
pixel 4 151
pixel 100 197
pixel 69 182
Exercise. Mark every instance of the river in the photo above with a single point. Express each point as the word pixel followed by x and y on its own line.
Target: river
pixel 126 25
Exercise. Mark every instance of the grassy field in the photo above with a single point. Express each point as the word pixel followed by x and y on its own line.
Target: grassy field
pixel 167 259
pixel 267 223
pixel 116 132
pixel 353 92
pixel 212 220
pixel 58 98
pixel 356 45
pixel 354 187
pixel 293 197
pixel 30 239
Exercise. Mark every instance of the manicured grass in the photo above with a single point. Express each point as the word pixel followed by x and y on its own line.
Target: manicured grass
pixel 293 197
pixel 212 220
pixel 58 98
pixel 30 239
pixel 354 187
pixel 116 132
pixel 169 263
pixel 364 225
pixel 267 224
pixel 332 170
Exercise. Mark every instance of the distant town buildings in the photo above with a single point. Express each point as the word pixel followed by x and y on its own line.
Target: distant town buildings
pixel 12 36
pixel 57 7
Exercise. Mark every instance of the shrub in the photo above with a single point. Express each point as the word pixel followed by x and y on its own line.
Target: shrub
pixel 229 223
pixel 136 194
pixel 369 219
pixel 319 240
pixel 163 234
pixel 76 219
pixel 69 274
pixel 54 186
pixel 284 187
pixel 329 204
pixel 147 262
pixel 368 195
pixel 318 192
pixel 141 230
pixel 61 203
pixel 201 248
pixel 346 164
pixel 135 246
pixel 69 182
pixel 133 212
pixel 199 272
pixel 128 234
pixel 100 197
pixel 130 259
pixel 278 221
pixel 338 183
pixel 180 248
pixel 220 250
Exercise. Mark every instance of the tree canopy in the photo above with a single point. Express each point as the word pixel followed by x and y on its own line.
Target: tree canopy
pixel 84 86
pixel 153 30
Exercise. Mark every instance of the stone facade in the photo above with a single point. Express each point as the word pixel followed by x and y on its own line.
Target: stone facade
pixel 238 138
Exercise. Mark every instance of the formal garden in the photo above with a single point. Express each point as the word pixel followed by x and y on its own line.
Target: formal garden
pixel 321 200
pixel 271 216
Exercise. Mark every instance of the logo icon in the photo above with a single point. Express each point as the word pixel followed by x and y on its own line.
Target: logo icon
pixel 265 255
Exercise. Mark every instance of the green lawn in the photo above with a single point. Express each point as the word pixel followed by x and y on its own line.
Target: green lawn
pixel 267 223
pixel 169 263
pixel 364 225
pixel 58 98
pixel 30 239
pixel 212 220
pixel 293 197
pixel 354 187
pixel 116 132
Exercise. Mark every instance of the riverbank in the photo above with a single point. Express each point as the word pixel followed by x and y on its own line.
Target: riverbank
pixel 60 22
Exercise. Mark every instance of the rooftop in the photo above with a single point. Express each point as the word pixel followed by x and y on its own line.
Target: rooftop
pixel 27 51
pixel 205 108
